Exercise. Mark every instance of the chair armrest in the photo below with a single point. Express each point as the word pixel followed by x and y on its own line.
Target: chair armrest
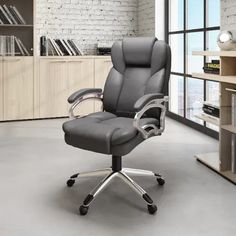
pixel 151 129
pixel 82 92
pixel 139 105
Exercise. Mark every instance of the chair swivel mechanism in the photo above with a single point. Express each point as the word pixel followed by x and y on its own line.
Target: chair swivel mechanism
pixel 134 108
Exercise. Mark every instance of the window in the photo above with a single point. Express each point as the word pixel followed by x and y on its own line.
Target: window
pixel 192 26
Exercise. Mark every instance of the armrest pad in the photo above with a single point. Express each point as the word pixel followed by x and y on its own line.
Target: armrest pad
pixel 139 105
pixel 81 93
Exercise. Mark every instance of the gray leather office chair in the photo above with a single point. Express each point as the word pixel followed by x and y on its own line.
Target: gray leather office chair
pixel 134 107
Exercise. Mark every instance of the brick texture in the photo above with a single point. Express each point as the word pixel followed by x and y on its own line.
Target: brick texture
pixel 228 15
pixel 146 17
pixel 89 21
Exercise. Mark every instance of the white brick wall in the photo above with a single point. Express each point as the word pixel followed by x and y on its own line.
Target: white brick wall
pixel 146 17
pixel 87 21
pixel 228 15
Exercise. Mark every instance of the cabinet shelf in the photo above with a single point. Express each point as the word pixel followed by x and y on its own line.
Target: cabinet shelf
pixel 229 128
pixel 13 25
pixel 212 161
pixel 217 78
pixel 215 53
pixel 212 120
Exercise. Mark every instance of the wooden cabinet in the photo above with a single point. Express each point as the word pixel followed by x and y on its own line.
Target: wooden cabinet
pixel 58 79
pixel 33 87
pixel 17 82
pixel 53 88
pixel 81 75
pixel 102 69
pixel 1 89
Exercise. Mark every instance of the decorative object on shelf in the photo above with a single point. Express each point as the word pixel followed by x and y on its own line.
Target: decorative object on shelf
pixel 212 67
pixel 59 47
pixel 10 16
pixel 103 49
pixel 226 41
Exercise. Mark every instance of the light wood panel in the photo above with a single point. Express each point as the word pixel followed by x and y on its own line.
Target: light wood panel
pixel 215 53
pixel 227 66
pixel 18 88
pixel 81 75
pixel 217 78
pixel 1 89
pixel 53 88
pixel 102 69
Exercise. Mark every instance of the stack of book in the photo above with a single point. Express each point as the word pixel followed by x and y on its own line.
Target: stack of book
pixel 212 67
pixel 59 47
pixel 211 110
pixel 10 15
pixel 12 46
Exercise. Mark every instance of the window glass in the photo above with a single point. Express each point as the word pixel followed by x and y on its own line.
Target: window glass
pixel 195 14
pixel 176 42
pixel 176 89
pixel 176 15
pixel 194 43
pixel 213 13
pixel 194 99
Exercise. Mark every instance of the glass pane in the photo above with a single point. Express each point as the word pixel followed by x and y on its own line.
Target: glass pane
pixel 176 93
pixel 177 49
pixel 195 14
pixel 194 43
pixel 212 40
pixel 212 91
pixel 194 99
pixel 176 15
pixel 213 9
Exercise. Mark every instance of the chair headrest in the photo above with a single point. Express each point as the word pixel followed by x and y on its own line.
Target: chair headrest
pixel 138 50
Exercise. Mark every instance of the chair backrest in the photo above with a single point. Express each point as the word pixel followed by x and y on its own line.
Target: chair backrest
pixel 140 66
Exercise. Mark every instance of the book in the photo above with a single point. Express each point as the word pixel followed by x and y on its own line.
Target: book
pixel 79 50
pixel 68 52
pixel 18 15
pixel 4 16
pixel 73 46
pixel 70 48
pixel 24 48
pixel 14 15
pixel 9 14
pixel 43 46
pixel 60 45
pixel 19 47
pixel 60 53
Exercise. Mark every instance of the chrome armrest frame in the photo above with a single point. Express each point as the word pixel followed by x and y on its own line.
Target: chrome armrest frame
pixel 152 129
pixel 94 96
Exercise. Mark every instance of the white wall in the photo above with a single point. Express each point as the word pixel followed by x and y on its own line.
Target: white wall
pixel 228 15
pixel 87 21
pixel 146 17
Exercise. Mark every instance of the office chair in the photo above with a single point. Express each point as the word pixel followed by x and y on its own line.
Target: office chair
pixel 134 107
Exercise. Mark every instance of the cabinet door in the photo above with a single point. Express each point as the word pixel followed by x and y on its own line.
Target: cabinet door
pixel 81 75
pixel 102 69
pixel 1 89
pixel 53 88
pixel 18 88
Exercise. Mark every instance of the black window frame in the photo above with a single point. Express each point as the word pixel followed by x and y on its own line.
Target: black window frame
pixel 202 128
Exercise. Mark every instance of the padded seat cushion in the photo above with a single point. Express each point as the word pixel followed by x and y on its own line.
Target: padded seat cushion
pixel 101 130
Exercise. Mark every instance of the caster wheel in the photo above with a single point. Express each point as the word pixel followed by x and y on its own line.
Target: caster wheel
pixel 152 209
pixel 70 182
pixel 83 210
pixel 160 181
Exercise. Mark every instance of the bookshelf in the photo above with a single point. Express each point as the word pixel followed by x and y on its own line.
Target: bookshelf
pixel 25 32
pixel 221 161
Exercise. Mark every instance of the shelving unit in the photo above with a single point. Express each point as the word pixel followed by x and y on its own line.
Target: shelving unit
pixel 221 161
pixel 24 32
pixel 213 121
